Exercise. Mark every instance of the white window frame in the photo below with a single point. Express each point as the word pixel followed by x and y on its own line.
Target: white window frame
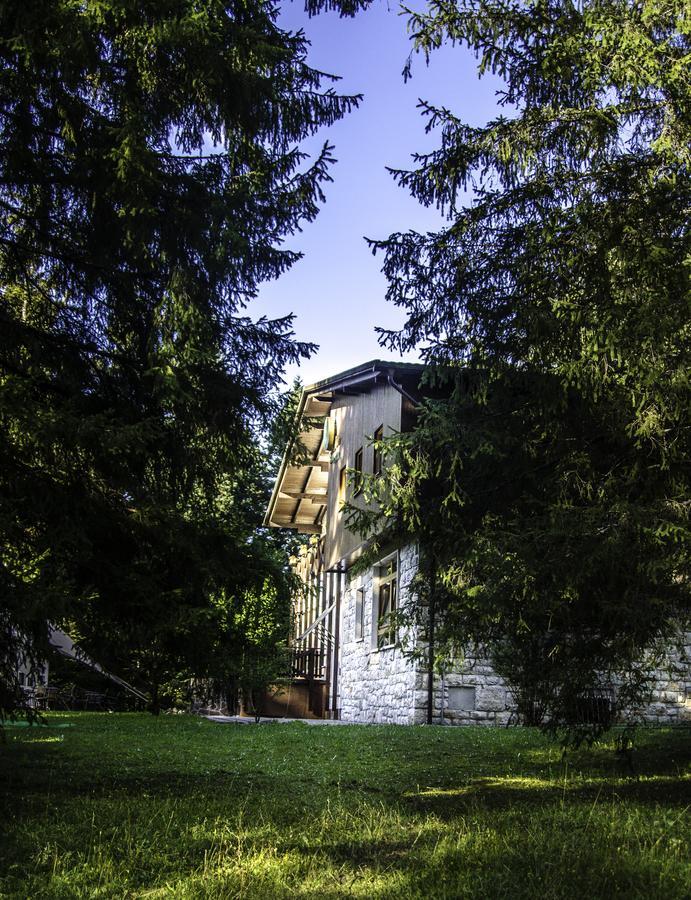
pixel 359 629
pixel 385 578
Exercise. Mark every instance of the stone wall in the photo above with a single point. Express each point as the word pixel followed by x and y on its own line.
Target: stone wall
pixel 375 685
pixel 473 694
pixel 670 699
pixel 386 686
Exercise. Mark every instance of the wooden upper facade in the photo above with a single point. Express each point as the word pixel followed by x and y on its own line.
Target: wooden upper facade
pixel 337 420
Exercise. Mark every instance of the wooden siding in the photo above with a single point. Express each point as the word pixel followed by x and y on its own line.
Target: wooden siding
pixel 357 418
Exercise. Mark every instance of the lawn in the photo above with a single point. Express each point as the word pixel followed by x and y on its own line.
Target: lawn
pixel 125 805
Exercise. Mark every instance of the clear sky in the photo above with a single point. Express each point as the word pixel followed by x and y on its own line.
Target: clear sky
pixel 337 290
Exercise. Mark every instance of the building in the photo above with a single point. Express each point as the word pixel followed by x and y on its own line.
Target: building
pixel 348 662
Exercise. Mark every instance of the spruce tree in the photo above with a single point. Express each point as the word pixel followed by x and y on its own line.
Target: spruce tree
pixel 150 167
pixel 554 305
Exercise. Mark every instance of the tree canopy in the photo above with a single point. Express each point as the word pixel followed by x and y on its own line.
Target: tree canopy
pixel 553 310
pixel 150 170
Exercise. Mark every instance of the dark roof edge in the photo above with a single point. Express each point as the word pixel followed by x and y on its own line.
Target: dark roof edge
pixel 373 365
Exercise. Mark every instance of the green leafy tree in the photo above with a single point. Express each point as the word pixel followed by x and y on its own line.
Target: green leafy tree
pixel 554 306
pixel 150 169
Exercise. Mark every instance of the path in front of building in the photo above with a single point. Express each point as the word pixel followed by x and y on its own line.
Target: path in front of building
pixel 264 720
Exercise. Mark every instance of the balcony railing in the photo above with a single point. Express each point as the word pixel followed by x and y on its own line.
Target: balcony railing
pixel 309 663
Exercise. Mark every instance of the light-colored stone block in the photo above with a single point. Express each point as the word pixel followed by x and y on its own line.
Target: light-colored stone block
pixel 490 699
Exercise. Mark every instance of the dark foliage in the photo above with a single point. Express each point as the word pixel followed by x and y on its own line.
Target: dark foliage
pixel 150 169
pixel 551 487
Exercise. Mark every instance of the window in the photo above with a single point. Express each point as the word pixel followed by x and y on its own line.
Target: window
pixel 342 482
pixel 388 600
pixel 359 614
pixel 461 698
pixel 376 461
pixel 329 435
pixel 357 472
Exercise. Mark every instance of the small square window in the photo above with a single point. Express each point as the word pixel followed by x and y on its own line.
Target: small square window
pixel 461 698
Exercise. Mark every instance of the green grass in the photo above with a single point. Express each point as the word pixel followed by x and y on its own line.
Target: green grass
pixel 131 806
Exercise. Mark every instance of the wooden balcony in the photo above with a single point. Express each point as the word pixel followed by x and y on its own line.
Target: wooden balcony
pixel 309 663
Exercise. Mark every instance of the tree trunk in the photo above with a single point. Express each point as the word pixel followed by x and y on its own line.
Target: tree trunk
pixel 155 705
pixel 432 577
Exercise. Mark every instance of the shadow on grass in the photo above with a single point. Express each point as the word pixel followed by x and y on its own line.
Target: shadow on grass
pixel 662 774
pixel 448 802
pixel 449 797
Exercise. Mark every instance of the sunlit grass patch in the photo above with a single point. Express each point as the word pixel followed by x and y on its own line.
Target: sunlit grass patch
pixel 480 784
pixel 44 739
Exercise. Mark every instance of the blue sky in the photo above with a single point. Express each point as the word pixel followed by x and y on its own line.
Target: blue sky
pixel 337 290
